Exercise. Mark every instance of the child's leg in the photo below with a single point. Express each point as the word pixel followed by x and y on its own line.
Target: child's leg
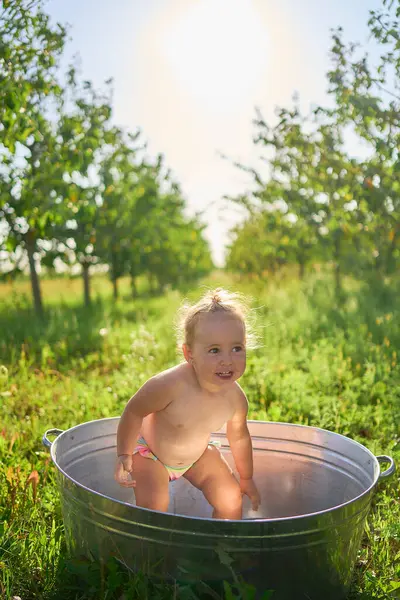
pixel 152 482
pixel 212 475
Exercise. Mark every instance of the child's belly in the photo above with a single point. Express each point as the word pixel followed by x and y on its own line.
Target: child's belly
pixel 174 446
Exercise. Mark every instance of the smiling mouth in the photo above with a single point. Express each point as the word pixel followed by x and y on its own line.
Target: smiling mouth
pixel 225 374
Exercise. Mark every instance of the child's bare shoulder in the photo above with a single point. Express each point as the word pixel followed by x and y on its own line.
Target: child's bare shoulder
pixel 239 398
pixel 157 392
pixel 172 378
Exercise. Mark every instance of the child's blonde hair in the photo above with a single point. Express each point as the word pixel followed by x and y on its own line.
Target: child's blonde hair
pixel 218 300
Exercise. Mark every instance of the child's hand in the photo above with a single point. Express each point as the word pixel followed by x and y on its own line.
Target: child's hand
pixel 123 471
pixel 248 488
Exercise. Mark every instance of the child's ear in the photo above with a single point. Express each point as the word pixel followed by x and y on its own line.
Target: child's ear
pixel 187 353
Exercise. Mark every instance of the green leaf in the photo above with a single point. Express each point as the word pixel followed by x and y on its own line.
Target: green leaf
pixel 228 592
pixel 224 557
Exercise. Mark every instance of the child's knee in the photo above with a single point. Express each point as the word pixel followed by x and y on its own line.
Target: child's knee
pixel 235 497
pixel 160 503
pixel 231 497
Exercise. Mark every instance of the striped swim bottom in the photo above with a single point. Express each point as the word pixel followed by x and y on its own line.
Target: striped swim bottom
pixel 173 472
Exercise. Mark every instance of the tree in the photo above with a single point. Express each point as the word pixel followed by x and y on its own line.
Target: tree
pixel 368 100
pixel 86 133
pixel 72 186
pixel 311 180
pixel 143 228
pixel 30 50
pixel 129 190
pixel 349 206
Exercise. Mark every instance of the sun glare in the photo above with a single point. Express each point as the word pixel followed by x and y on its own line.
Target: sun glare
pixel 217 50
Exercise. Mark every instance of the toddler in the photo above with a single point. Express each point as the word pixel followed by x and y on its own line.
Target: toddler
pixel 164 431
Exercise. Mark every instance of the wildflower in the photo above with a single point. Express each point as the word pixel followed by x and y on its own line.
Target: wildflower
pixel 103 331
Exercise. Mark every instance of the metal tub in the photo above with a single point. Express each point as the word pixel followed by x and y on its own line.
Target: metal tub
pixel 316 488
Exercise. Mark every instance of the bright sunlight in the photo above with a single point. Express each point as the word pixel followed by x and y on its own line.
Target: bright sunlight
pixel 217 50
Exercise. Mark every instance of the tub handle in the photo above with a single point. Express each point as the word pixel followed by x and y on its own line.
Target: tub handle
pixel 391 468
pixel 45 441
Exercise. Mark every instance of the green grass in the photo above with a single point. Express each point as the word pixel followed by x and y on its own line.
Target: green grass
pixel 317 364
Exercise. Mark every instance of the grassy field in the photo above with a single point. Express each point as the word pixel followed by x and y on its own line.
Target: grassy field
pixel 317 364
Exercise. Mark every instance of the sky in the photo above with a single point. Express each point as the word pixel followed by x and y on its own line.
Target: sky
pixel 189 74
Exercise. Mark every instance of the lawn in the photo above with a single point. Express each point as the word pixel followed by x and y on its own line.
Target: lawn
pixel 317 363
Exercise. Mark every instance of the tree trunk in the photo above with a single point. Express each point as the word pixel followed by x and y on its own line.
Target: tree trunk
pixel 37 296
pixel 113 273
pixel 153 283
pixel 338 280
pixel 86 283
pixel 390 253
pixel 338 283
pixel 115 288
pixel 134 288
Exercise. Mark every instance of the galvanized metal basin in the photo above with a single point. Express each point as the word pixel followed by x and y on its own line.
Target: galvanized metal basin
pixel 316 489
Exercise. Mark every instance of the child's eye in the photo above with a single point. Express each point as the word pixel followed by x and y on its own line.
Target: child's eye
pixel 213 351
pixel 237 348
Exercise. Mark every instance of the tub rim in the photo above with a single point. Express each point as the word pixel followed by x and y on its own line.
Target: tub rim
pixel 379 475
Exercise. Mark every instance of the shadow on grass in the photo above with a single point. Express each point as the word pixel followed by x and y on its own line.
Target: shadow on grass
pixel 83 579
pixel 370 309
pixel 65 332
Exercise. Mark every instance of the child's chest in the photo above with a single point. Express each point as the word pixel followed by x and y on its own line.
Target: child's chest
pixel 198 414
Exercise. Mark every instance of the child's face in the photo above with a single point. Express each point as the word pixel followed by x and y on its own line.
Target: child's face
pixel 218 352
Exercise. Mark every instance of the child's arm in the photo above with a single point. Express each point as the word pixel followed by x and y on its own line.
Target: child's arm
pixel 150 398
pixel 242 451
